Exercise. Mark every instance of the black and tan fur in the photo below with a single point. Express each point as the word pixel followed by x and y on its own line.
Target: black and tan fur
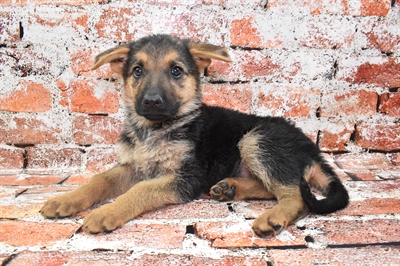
pixel 173 147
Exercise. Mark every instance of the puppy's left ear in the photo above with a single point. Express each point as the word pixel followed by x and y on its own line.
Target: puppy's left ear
pixel 116 57
pixel 203 53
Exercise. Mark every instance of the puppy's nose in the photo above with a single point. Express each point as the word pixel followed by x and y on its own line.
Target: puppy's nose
pixel 151 101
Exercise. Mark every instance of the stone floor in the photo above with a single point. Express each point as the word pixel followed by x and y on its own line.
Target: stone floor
pixel 206 232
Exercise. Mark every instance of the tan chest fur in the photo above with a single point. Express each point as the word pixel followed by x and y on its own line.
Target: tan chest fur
pixel 155 156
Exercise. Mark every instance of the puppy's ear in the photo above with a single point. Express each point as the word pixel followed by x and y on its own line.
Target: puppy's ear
pixel 203 53
pixel 116 57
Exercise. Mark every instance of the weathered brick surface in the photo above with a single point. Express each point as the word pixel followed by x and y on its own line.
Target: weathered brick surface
pixel 45 160
pixel 362 161
pixel 235 235
pixel 99 160
pixel 302 102
pixel 383 255
pixel 87 97
pixel 11 159
pixel 141 235
pixel 34 233
pixel 334 136
pixel 390 104
pixel 237 97
pixel 349 103
pixel 379 71
pixel 378 136
pixel 28 97
pixel 9 27
pixel 27 180
pixel 358 231
pixel 27 131
pixel 330 67
pixel 89 130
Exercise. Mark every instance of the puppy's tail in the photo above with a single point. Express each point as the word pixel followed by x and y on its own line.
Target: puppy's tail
pixel 323 177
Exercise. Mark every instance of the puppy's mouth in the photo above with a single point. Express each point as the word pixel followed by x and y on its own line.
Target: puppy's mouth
pixel 156 117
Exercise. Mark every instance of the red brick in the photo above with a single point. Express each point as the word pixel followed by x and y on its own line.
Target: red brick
pixel 240 235
pixel 35 194
pixel 352 232
pixel 243 33
pixel 236 97
pixel 5 258
pixel 375 8
pixel 93 98
pixel 382 136
pixel 199 209
pixel 34 233
pixel 9 27
pixel 163 236
pixel 122 24
pixel 363 161
pixel 78 179
pixel 28 97
pixel 335 136
pixel 20 210
pixel 389 104
pixel 82 61
pixel 246 65
pixel 289 101
pixel 89 130
pixel 100 160
pixel 11 160
pixel 371 206
pixel 47 160
pixel 30 180
pixel 361 175
pixel 27 131
pixel 349 103
pixel 373 255
pixel 379 71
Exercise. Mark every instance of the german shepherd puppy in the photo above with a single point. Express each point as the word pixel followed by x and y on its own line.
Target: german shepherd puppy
pixel 173 147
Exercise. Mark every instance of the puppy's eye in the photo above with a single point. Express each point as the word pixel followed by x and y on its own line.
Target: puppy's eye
pixel 177 72
pixel 137 72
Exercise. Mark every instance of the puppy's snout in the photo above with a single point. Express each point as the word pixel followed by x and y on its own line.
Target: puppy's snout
pixel 153 101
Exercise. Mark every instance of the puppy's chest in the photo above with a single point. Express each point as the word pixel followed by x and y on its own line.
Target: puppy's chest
pixel 154 157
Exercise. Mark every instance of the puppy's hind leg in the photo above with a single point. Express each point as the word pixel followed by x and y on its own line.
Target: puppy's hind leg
pixel 100 187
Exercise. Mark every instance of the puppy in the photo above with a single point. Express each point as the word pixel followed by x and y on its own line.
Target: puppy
pixel 173 147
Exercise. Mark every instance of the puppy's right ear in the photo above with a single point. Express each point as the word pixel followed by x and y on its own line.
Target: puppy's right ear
pixel 116 57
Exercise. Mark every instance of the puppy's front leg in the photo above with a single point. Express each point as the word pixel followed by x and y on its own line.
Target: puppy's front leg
pixel 143 197
pixel 100 187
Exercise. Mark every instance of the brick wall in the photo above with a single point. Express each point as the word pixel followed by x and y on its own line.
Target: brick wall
pixel 333 67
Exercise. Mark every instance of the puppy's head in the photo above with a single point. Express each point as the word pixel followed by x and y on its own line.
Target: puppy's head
pixel 161 74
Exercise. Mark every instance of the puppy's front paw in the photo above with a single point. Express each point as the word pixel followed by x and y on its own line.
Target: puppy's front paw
pixel 223 191
pixel 104 219
pixel 62 206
